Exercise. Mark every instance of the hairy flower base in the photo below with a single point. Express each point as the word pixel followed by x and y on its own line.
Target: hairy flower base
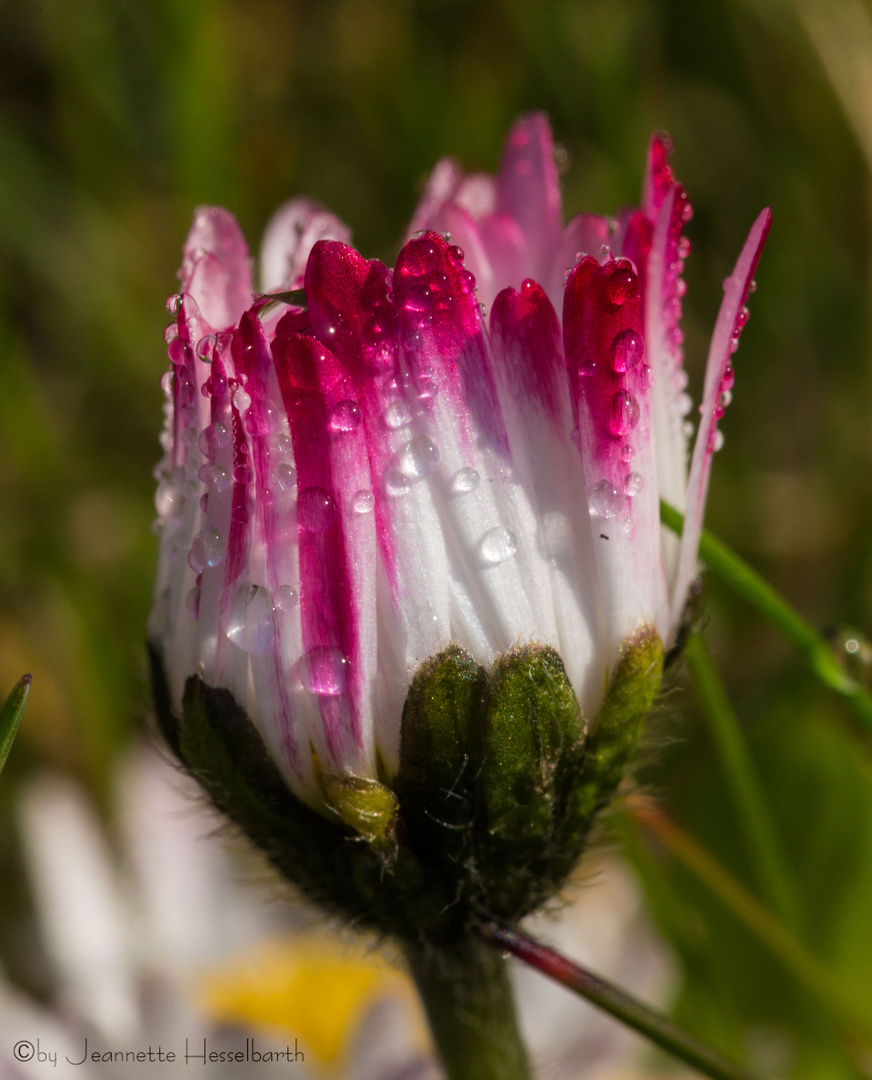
pixel 497 790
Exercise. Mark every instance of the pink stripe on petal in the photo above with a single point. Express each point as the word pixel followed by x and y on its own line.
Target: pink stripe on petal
pixel 718 380
pixel 605 352
pixel 215 268
pixel 337 552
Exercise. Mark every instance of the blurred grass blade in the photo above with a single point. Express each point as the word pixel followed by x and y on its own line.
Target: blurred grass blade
pixel 752 809
pixel 10 716
pixel 811 645
pixel 765 926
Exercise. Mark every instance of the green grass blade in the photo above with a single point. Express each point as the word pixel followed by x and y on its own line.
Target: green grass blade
pixel 10 716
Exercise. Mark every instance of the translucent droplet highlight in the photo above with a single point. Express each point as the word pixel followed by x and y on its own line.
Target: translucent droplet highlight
pixel 325 671
pixel 498 545
pixel 606 499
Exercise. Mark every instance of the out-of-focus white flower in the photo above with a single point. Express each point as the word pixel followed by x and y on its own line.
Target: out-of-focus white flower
pixel 164 942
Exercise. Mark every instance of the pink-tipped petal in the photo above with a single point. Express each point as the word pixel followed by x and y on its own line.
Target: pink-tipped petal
pixel 216 269
pixel 605 351
pixel 528 190
pixel 659 179
pixel 536 404
pixel 441 186
pixel 499 588
pixel 664 289
pixel 290 235
pixel 732 317
pixel 337 555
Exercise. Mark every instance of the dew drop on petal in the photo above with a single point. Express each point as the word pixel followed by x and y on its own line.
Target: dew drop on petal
pixel 169 500
pixel 623 285
pixel 285 599
pixel 465 480
pixel 205 346
pixel 633 484
pixel 606 499
pixel 623 413
pixel 627 453
pixel 316 510
pixel 207 550
pixel 419 457
pixel 345 416
pixel 325 671
pixel 627 350
pixel 363 502
pixel 283 476
pixel 250 624
pixel 498 545
pixel 397 414
pixel 171 333
pixel 174 303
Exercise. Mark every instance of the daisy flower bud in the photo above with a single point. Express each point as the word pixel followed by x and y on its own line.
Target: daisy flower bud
pixel 409 520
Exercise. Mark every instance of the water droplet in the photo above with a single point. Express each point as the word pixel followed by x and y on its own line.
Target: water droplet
pixel 718 441
pixel 171 333
pixel 742 317
pixel 684 247
pixel 397 414
pixel 189 436
pixel 726 398
pixel 174 303
pixel 606 499
pixel 207 550
pixel 419 457
pixel 427 390
pixel 250 623
pixel 687 429
pixel 345 416
pixel 633 484
pixel 325 671
pixel 176 351
pixel 627 453
pixel 397 485
pixel 283 476
pixel 241 399
pixel 205 346
pixel 214 437
pixel 316 510
pixel 169 500
pixel 285 599
pixel 242 473
pixel 623 285
pixel 623 413
pixel 465 480
pixel 628 349
pixel 498 545
pixel 363 502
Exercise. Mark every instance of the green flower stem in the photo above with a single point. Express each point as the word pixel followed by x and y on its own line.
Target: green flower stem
pixel 765 926
pixel 469 1003
pixel 759 593
pixel 659 1029
pixel 10 716
pixel 764 843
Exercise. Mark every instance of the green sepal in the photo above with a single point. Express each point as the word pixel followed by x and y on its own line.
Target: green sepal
pixel 621 721
pixel 533 749
pixel 11 714
pixel 440 756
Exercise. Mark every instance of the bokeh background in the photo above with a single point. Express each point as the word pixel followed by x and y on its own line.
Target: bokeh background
pixel 117 117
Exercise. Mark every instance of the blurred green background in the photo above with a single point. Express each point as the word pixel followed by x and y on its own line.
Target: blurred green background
pixel 118 117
